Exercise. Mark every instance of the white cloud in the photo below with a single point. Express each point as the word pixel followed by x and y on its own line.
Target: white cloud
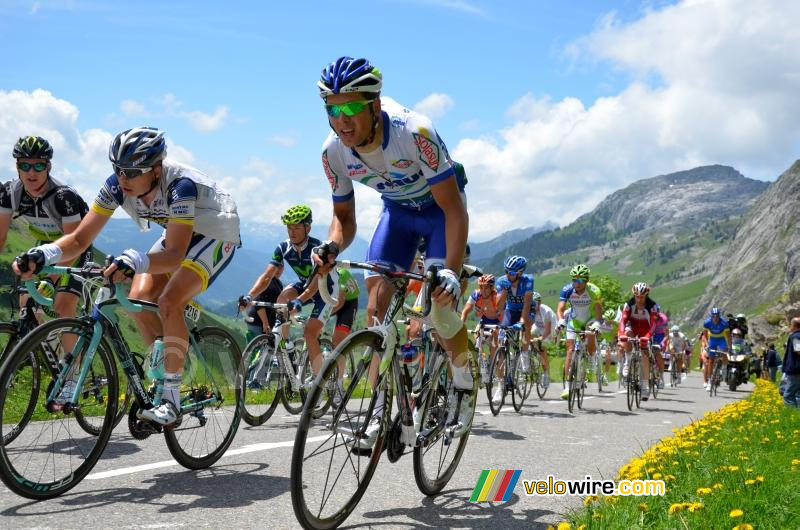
pixel 34 8
pixel 202 122
pixel 715 82
pixel 286 140
pixel 434 105
pixel 130 107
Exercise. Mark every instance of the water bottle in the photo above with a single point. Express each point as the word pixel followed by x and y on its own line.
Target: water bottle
pixel 411 361
pixel 156 368
pixel 159 391
pixel 46 288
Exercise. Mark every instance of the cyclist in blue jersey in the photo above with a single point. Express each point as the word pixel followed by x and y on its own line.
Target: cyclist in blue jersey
pixel 397 152
pixel 296 252
pixel 514 293
pixel 716 337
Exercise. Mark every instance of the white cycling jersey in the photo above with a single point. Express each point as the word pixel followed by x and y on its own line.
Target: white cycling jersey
pixel 544 315
pixel 678 342
pixel 414 158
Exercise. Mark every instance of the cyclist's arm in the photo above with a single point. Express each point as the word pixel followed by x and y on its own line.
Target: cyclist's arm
pixel 343 225
pixel 176 242
pixel 68 228
pixel 526 310
pixel 501 301
pixel 263 281
pixel 562 305
pixel 598 310
pixel 77 241
pixel 467 309
pixel 5 224
pixel 262 314
pixel 456 220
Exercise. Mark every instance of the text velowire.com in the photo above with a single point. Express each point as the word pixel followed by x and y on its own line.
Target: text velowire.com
pixel 588 486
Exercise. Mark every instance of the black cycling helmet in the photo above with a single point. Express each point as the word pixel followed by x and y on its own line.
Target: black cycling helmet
pixel 33 147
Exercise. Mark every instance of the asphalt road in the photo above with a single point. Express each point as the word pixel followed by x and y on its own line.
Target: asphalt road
pixel 137 485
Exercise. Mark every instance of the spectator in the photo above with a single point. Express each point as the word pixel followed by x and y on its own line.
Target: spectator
pixel 771 362
pixel 791 365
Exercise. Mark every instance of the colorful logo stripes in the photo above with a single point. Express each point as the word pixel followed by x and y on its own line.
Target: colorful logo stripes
pixel 495 485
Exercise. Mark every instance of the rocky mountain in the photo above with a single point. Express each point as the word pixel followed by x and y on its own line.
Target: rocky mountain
pixel 762 261
pixel 670 230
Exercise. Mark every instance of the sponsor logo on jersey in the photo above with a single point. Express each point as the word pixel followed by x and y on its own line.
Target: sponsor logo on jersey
pixel 357 172
pixel 428 151
pixel 333 180
pixel 403 163
pixel 407 180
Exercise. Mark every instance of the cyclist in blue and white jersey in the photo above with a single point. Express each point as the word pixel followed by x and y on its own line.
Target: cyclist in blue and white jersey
pixel 586 305
pixel 397 152
pixel 296 252
pixel 716 337
pixel 544 323
pixel 201 233
pixel 514 293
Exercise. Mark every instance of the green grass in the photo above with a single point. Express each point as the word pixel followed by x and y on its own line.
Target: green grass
pixel 737 466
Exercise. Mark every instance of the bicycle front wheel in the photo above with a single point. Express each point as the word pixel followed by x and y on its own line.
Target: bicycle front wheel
pixel 437 456
pixel 522 383
pixel 334 458
pixel 496 386
pixel 30 380
pixel 261 374
pixel 52 453
pixel 211 400
pixel 572 381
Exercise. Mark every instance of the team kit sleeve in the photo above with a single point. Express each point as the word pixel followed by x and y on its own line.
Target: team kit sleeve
pixel 69 205
pixel 108 198
pixel 181 200
pixel 333 166
pixel 566 291
pixel 277 256
pixel 5 199
pixel 431 151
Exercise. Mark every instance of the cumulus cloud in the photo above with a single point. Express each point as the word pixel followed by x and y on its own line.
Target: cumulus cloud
pixel 130 107
pixel 714 82
pixel 434 105
pixel 286 140
pixel 202 122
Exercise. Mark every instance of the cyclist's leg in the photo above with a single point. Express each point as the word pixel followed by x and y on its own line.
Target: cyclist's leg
pixel 313 328
pixel 148 287
pixel 345 317
pixel 288 294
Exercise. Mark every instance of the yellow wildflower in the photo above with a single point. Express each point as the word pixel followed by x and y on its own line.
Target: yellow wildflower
pixel 760 478
pixel 675 508
pixel 597 515
pixel 733 468
pixel 590 499
pixel 717 486
pixel 743 526
pixel 795 461
pixel 703 491
pixel 656 476
pixel 564 526
pixel 695 506
pixel 749 482
pixel 643 507
pixel 582 527
pixel 734 513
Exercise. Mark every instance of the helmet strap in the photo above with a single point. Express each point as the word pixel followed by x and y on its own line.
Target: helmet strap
pixel 152 186
pixel 375 124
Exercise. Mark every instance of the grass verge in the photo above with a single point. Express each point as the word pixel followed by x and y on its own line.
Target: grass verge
pixel 737 467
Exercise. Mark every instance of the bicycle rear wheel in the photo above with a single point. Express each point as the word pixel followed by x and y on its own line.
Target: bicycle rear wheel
pixel 498 369
pixel 538 376
pixel 630 387
pixel 522 383
pixel 260 371
pixel 211 400
pixel 52 453
pixel 637 387
pixel 581 390
pixel 572 381
pixel 437 457
pixel 333 460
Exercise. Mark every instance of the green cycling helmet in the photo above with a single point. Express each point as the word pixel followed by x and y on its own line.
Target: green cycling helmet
pixel 609 315
pixel 579 271
pixel 33 147
pixel 300 214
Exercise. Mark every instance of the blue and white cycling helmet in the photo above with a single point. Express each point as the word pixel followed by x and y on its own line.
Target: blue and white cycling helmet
pixel 141 147
pixel 715 311
pixel 346 74
pixel 515 264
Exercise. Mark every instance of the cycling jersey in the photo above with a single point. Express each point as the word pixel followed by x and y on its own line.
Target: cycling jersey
pixel 183 195
pixel 661 327
pixel 608 331
pixel 299 260
pixel 485 307
pixel 581 304
pixel 716 331
pixel 348 286
pixel 414 158
pixel 45 215
pixel 678 342
pixel 515 296
pixel 640 320
pixel 544 315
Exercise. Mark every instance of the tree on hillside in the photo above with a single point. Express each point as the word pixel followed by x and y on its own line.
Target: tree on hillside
pixel 611 288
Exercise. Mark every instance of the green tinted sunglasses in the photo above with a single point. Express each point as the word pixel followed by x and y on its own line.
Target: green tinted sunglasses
pixel 26 166
pixel 351 108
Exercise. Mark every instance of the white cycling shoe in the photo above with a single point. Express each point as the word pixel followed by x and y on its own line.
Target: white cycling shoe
pixel 164 414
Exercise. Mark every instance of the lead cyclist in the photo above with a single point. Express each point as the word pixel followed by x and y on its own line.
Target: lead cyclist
pixel 397 152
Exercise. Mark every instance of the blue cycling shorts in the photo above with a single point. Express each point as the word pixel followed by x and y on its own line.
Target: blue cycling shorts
pixel 398 233
pixel 511 317
pixel 716 343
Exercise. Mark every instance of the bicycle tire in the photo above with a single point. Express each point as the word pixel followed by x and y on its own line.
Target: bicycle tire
pixel 572 377
pixel 9 330
pixel 292 400
pixel 630 387
pixel 325 345
pixel 85 450
pixel 654 379
pixel 581 382
pixel 522 384
pixel 305 477
pixel 433 414
pixel 599 371
pixel 125 399
pixel 541 390
pixel 500 356
pixel 638 386
pixel 260 399
pixel 217 375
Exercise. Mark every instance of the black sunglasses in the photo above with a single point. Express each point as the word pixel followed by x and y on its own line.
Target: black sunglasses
pixel 27 166
pixel 131 172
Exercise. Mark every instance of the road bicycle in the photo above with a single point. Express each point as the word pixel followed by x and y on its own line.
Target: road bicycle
pixel 633 387
pixel 674 375
pixel 52 455
pixel 576 373
pixel 655 376
pixel 272 373
pixel 335 457
pixel 10 334
pixel 716 371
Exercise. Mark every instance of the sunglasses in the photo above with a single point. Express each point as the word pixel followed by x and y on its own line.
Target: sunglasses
pixel 131 172
pixel 512 273
pixel 578 280
pixel 27 166
pixel 351 108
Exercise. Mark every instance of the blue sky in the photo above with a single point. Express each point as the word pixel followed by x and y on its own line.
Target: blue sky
pixel 547 97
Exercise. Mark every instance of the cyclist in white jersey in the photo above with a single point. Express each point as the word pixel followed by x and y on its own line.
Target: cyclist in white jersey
pixel 398 153
pixel 677 347
pixel 201 232
pixel 545 322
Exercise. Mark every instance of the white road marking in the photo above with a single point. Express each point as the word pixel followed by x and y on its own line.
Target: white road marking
pixel 168 463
